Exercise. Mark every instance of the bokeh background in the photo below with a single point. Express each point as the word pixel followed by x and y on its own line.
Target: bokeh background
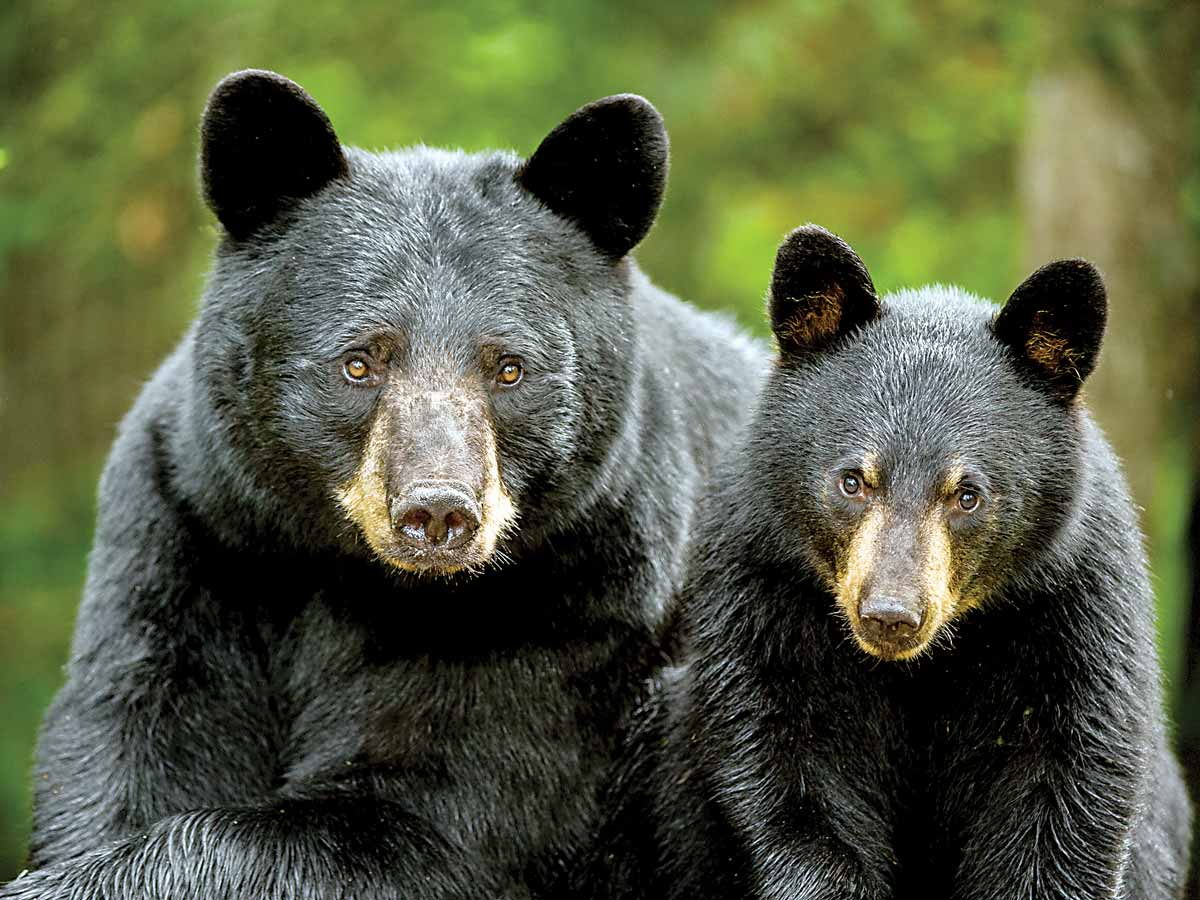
pixel 947 140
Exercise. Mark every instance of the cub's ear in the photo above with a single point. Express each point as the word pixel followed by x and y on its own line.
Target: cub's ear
pixel 1054 322
pixel 264 144
pixel 820 291
pixel 604 168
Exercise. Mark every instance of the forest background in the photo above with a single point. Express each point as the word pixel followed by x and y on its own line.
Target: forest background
pixel 948 140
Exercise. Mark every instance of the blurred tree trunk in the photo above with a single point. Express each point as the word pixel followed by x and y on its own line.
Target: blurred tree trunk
pixel 1108 147
pixel 1108 151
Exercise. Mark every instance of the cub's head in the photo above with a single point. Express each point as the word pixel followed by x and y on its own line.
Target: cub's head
pixel 921 449
pixel 421 355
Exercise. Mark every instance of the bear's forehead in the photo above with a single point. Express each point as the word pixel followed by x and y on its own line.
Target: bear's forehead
pixel 919 355
pixel 428 175
pixel 426 247
pixel 927 380
pixel 419 204
pixel 933 344
pixel 426 220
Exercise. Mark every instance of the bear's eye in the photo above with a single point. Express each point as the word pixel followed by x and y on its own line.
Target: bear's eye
pixel 356 369
pixel 852 484
pixel 968 500
pixel 509 373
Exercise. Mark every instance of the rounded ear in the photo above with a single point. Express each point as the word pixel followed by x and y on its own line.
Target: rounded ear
pixel 820 291
pixel 264 144
pixel 604 168
pixel 1054 322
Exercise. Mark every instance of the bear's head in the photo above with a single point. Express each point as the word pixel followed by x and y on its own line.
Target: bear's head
pixel 921 450
pixel 424 355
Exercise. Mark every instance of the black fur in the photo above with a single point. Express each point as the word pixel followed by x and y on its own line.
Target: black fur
pixel 604 168
pixel 1063 303
pixel 820 291
pixel 264 145
pixel 257 705
pixel 1022 755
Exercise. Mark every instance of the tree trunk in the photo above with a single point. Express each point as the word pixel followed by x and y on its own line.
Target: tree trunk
pixel 1109 148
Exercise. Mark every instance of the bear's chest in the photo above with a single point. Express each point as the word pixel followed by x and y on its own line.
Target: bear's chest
pixel 504 748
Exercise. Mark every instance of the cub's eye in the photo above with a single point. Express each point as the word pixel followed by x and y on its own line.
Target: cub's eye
pixel 851 484
pixel 968 500
pixel 510 373
pixel 356 368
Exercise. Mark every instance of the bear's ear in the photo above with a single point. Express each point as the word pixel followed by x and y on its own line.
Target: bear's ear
pixel 604 168
pixel 264 144
pixel 820 291
pixel 1054 322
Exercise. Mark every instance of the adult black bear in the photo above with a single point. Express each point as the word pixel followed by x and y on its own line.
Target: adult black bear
pixel 383 546
pixel 918 619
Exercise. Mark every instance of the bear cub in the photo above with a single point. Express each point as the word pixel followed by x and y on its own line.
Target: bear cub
pixel 917 630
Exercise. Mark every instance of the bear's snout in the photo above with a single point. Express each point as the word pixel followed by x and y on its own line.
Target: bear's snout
pixel 890 620
pixel 435 515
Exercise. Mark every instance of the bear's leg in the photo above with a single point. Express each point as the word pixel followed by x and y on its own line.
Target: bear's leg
pixel 319 849
pixel 1158 863
pixel 1051 825
pixel 816 821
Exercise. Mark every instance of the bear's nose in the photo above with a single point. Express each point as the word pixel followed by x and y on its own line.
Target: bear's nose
pixel 888 619
pixel 435 514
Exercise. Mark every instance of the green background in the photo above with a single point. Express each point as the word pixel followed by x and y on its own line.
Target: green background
pixel 907 127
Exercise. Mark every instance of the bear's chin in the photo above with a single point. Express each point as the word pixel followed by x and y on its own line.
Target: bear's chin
pixel 435 562
pixel 893 651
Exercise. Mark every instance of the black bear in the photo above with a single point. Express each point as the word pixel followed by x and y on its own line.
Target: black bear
pixel 383 546
pixel 917 624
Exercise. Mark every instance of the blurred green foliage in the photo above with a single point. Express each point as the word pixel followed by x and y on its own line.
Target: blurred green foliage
pixel 896 125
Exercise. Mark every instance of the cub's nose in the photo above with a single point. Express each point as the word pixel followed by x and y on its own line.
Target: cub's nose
pixel 435 515
pixel 888 619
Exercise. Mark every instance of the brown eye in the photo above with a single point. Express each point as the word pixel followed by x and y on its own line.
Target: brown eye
pixel 851 485
pixel 968 501
pixel 356 369
pixel 510 374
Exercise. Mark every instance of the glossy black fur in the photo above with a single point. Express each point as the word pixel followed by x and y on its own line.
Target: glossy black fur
pixel 1033 307
pixel 265 144
pixel 1024 756
pixel 816 271
pixel 620 141
pixel 255 705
